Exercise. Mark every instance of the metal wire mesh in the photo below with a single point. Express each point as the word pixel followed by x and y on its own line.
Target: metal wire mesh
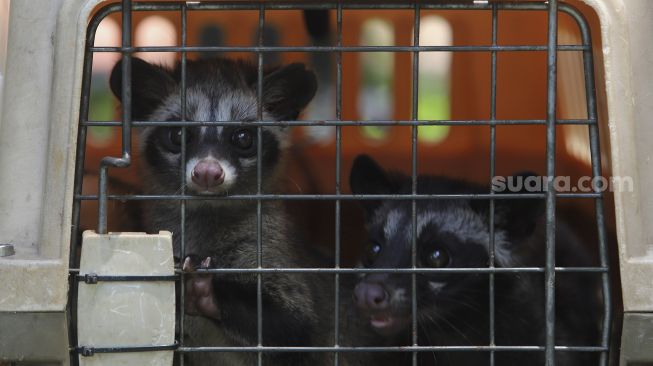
pixel 552 7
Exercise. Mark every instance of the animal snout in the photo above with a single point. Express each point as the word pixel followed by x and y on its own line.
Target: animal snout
pixel 208 174
pixel 371 296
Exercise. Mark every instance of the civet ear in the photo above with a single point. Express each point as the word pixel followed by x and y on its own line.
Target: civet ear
pixel 150 84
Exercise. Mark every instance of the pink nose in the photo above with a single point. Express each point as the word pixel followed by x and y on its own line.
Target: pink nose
pixel 371 296
pixel 208 174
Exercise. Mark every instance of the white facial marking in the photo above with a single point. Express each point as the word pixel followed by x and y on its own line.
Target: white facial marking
pixel 392 224
pixel 171 157
pixel 423 220
pixel 224 110
pixel 201 103
pixel 247 162
pixel 468 226
pixel 230 174
pixel 190 165
pixel 436 286
pixel 399 295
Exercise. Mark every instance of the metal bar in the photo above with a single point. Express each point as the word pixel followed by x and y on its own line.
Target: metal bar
pixel 259 179
pixel 350 5
pixel 93 279
pixel 75 234
pixel 125 160
pixel 331 49
pixel 182 178
pixel 79 170
pixel 89 351
pixel 414 132
pixel 595 153
pixel 331 197
pixel 302 5
pixel 99 278
pixel 336 318
pixel 79 178
pixel 493 141
pixel 550 192
pixel 81 141
pixel 346 123
pixel 391 349
pixel 433 5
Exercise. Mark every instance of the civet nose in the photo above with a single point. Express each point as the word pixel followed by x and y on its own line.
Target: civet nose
pixel 208 174
pixel 371 296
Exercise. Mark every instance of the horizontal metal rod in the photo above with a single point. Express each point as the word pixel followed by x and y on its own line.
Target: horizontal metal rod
pixel 330 197
pixel 90 351
pixel 388 349
pixel 117 278
pixel 331 49
pixel 350 5
pixel 92 278
pixel 403 270
pixel 343 123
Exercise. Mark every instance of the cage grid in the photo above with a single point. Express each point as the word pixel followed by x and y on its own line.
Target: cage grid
pixel 552 7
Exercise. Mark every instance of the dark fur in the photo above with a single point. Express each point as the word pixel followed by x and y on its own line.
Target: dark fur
pixel 457 313
pixel 217 89
pixel 222 89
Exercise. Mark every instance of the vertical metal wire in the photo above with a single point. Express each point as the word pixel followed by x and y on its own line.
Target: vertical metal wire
pixel 493 140
pixel 595 153
pixel 415 77
pixel 75 234
pixel 550 191
pixel 182 177
pixel 79 178
pixel 259 185
pixel 336 317
pixel 126 100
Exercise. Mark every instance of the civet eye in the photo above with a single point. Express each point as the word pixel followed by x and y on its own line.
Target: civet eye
pixel 242 139
pixel 174 139
pixel 175 136
pixel 371 253
pixel 438 258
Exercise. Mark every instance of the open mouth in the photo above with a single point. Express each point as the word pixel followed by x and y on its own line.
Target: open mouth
pixel 388 324
pixel 381 320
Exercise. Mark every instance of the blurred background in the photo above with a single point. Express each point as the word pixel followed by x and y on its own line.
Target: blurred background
pixel 378 86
